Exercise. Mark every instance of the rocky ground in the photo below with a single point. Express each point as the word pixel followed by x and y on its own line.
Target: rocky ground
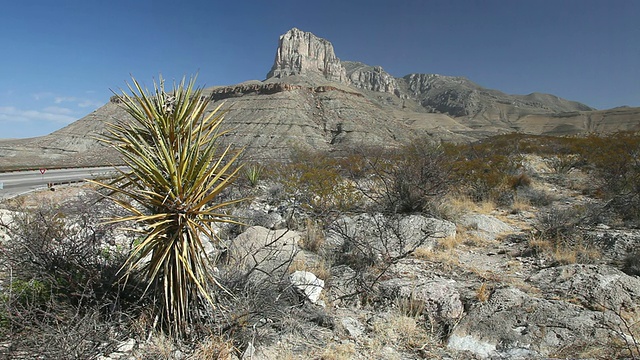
pixel 479 281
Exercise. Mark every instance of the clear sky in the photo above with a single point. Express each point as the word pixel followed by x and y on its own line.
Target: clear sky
pixel 60 59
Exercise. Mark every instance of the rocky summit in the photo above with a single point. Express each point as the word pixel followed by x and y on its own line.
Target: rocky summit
pixel 312 99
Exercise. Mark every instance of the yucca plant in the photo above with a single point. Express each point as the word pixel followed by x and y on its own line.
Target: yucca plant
pixel 253 174
pixel 176 170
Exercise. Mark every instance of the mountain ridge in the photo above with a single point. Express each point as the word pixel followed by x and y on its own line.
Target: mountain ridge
pixel 312 99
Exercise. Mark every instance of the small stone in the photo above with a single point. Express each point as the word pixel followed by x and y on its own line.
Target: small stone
pixel 307 284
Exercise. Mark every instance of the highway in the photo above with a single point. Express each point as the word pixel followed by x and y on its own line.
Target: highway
pixel 19 182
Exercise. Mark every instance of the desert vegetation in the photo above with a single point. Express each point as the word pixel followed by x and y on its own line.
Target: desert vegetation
pixel 402 251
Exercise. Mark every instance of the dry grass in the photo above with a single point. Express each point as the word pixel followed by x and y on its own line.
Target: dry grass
pixel 564 254
pixel 454 206
pixel 410 307
pixel 159 347
pixel 483 292
pixel 451 242
pixel 319 268
pixel 449 258
pixel 520 205
pixel 314 238
pixel 215 347
pixel 341 351
pixel 400 332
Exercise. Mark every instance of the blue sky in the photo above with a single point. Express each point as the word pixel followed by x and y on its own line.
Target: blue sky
pixel 61 58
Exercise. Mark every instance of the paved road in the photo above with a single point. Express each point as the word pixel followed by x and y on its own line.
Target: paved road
pixel 15 183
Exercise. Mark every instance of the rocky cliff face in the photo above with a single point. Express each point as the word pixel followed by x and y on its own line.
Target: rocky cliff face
pixel 372 78
pixel 461 98
pixel 302 52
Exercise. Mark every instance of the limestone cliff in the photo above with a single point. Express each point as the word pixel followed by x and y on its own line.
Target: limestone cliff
pixel 301 53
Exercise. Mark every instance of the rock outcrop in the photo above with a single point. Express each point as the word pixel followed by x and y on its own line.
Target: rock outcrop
pixel 302 52
pixel 460 97
pixel 372 78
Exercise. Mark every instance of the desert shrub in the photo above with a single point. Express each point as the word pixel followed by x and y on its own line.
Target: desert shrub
pixel 419 176
pixel 61 297
pixel 315 180
pixel 560 234
pixel 563 163
pixel 482 171
pixel 409 179
pixel 615 160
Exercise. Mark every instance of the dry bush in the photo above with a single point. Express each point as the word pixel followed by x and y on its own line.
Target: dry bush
pixel 615 160
pixel 61 297
pixel 563 163
pixel 410 179
pixel 483 170
pixel 258 304
pixel 371 244
pixel 560 236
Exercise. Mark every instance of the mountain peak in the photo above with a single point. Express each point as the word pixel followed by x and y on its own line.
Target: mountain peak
pixel 303 53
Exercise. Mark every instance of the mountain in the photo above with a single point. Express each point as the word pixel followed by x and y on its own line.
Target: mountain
pixel 312 99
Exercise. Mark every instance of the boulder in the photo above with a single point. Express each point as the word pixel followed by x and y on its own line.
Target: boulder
pixel 513 324
pixel 438 297
pixel 485 226
pixel 6 218
pixel 615 244
pixel 264 249
pixel 255 217
pixel 352 327
pixel 597 287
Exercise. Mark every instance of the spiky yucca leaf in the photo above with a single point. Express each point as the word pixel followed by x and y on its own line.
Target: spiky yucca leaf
pixel 175 172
